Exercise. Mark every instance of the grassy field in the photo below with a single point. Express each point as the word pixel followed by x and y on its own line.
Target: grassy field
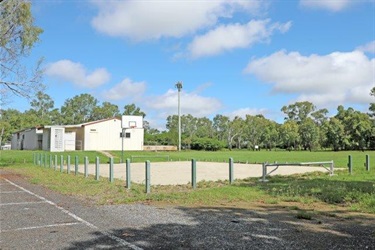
pixel 313 192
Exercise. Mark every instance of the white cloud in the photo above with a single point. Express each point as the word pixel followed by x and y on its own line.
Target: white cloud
pixel 246 111
pixel 191 103
pixel 76 73
pixel 144 20
pixel 327 80
pixel 332 5
pixel 232 36
pixel 125 89
pixel 369 47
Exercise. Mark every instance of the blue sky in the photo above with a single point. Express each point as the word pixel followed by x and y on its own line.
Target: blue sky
pixel 234 57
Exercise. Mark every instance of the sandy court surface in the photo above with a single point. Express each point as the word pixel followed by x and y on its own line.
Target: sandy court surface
pixel 179 172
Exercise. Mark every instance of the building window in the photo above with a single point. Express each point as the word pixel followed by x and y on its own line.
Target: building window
pixel 127 135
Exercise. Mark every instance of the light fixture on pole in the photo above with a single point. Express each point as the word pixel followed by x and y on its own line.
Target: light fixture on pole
pixel 179 87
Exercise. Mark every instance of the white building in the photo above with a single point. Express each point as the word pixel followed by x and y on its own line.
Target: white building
pixel 27 139
pixel 95 136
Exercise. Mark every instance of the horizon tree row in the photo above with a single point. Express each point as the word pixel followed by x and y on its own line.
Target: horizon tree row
pixel 304 127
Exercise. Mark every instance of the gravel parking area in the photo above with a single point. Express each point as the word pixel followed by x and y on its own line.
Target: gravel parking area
pixel 145 226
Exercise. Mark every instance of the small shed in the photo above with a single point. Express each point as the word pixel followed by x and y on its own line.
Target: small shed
pixel 27 139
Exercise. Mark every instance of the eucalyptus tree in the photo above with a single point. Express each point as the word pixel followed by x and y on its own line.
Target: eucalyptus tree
pixel 235 132
pixel 205 128
pixel 132 109
pixel 269 136
pixel 252 131
pixel 42 105
pixel 335 134
pixel 309 134
pixel 18 35
pixel 289 134
pixel 221 126
pixel 105 110
pixel 298 111
pixel 79 109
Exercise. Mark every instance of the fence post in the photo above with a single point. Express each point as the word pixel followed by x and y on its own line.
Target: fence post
pixel 350 166
pixel 86 166
pixel 97 168
pixel 148 177
pixel 264 172
pixel 231 177
pixel 40 160
pixel 68 164
pixel 61 163
pixel 76 165
pixel 194 173
pixel 55 163
pixel 367 164
pixel 332 168
pixel 50 161
pixel 111 169
pixel 45 160
pixel 128 182
pixel 34 158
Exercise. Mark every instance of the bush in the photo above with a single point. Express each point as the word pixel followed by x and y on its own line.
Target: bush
pixel 207 144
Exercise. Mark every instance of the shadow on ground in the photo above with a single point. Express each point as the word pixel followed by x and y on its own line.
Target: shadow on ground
pixel 233 228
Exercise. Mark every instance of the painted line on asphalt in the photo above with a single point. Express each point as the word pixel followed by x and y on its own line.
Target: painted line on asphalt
pixel 92 226
pixel 40 227
pixel 21 203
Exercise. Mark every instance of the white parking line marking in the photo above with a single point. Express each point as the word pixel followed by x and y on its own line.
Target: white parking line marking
pixel 39 227
pixel 113 237
pixel 21 203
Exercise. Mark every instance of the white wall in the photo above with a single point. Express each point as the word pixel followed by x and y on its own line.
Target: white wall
pixel 27 139
pixel 105 135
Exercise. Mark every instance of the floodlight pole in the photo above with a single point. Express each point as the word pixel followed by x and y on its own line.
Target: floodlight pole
pixel 179 87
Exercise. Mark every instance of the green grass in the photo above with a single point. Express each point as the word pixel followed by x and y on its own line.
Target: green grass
pixel 340 158
pixel 11 157
pixel 355 192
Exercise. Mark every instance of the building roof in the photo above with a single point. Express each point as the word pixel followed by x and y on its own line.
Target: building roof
pixel 99 121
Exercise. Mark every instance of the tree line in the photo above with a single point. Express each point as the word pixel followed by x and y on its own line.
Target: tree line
pixel 304 128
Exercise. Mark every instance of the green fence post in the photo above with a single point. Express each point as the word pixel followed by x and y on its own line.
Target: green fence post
pixel 68 164
pixel 45 160
pixel 350 166
pixel 148 177
pixel 61 163
pixel 76 165
pixel 55 163
pixel 97 168
pixel 194 173
pixel 86 172
pixel 111 169
pixel 367 164
pixel 34 158
pixel 231 177
pixel 50 161
pixel 128 181
pixel 41 159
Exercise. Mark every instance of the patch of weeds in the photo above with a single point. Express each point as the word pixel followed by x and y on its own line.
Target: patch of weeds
pixel 301 215
pixel 271 201
pixel 35 180
pixel 294 208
